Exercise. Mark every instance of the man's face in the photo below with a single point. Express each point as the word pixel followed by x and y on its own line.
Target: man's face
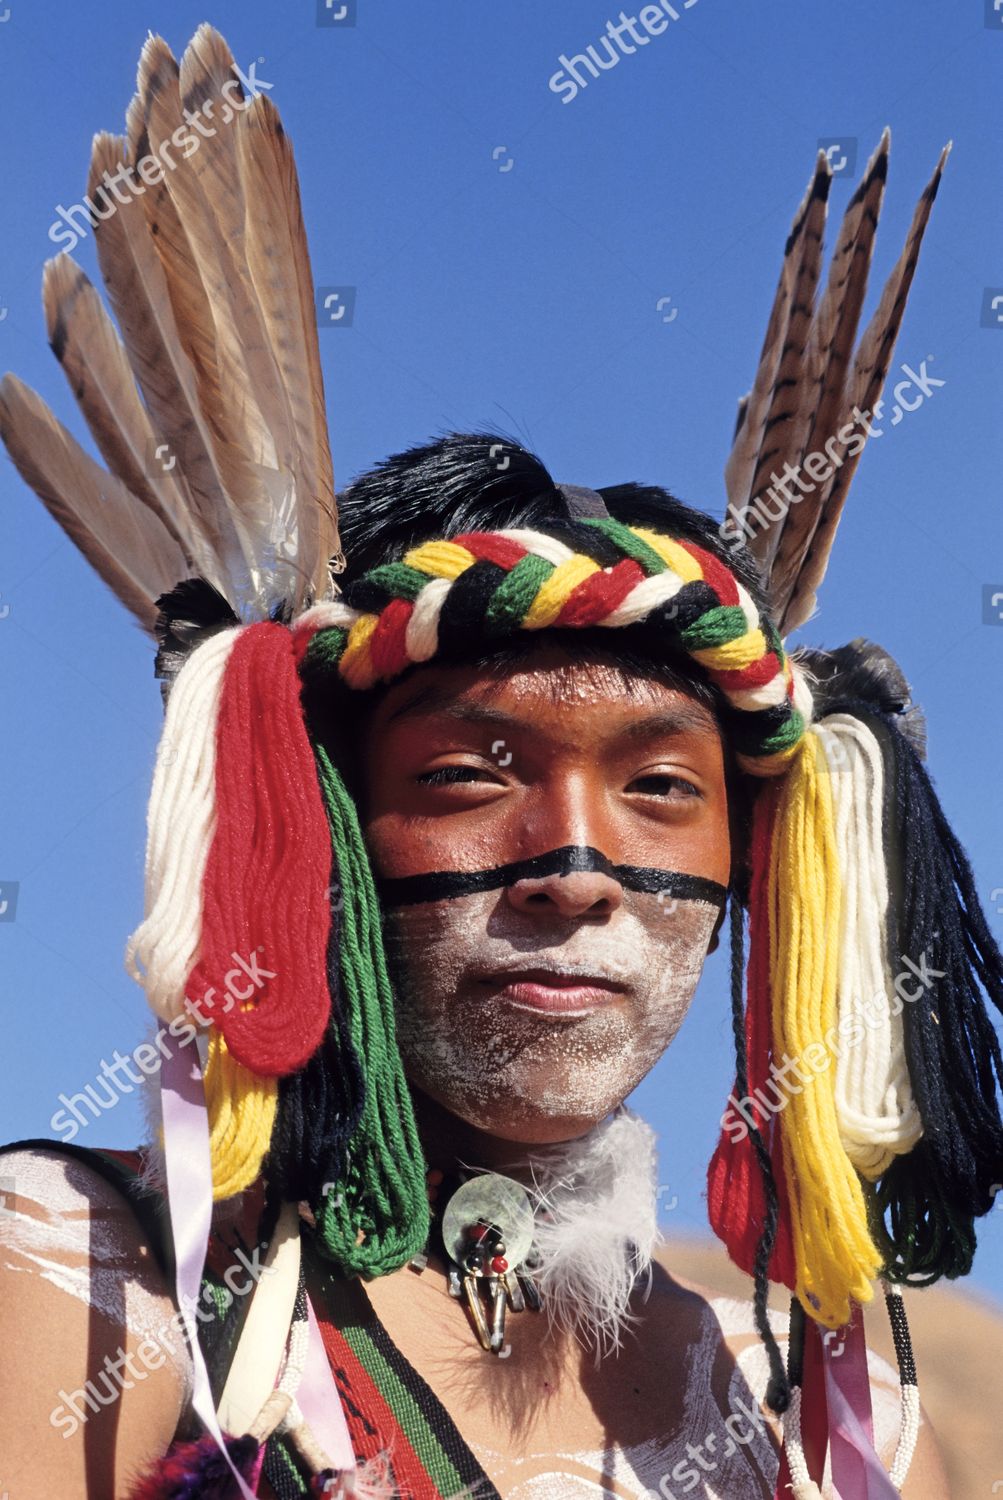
pixel 531 1001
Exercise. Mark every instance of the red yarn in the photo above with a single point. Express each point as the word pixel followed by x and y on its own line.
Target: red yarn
pixel 490 547
pixel 386 644
pixel 758 674
pixel 600 593
pixel 720 578
pixel 735 1195
pixel 261 975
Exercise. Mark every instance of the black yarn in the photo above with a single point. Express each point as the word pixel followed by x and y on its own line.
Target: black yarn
pixel 320 1106
pixel 928 1200
pixel 778 1391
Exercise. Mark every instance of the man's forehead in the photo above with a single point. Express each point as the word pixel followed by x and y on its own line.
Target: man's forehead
pixel 637 701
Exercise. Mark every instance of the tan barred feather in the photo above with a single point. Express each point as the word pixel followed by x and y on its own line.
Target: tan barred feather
pixel 759 411
pixel 84 340
pixel 137 290
pixel 786 416
pixel 122 539
pixel 834 333
pixel 809 392
pixel 870 367
pixel 220 459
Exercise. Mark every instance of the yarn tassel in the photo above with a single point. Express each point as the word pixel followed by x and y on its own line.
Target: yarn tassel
pixel 320 1107
pixel 180 821
pixel 383 1191
pixel 946 965
pixel 265 910
pixel 746 1186
pixel 241 1107
pixel 836 1258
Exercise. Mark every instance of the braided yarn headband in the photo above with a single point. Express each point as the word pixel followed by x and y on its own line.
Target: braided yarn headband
pixel 444 597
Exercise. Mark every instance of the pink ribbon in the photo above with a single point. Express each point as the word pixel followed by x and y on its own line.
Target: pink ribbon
pixel 189 1194
pixel 857 1472
pixel 320 1403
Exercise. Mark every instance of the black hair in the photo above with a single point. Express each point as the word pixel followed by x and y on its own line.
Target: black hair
pixel 484 481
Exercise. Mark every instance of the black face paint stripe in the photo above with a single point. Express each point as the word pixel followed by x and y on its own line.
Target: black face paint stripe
pixel 445 885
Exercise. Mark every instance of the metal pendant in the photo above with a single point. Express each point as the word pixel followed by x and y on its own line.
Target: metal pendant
pixel 487 1228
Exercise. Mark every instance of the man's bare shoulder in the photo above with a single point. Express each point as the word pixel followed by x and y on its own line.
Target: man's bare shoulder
pixel 94 1364
pixel 733 1314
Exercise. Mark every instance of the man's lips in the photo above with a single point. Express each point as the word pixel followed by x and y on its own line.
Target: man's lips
pixel 551 990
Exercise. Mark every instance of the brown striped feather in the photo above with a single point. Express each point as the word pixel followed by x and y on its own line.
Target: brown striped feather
pixel 830 351
pixel 754 411
pixel 870 367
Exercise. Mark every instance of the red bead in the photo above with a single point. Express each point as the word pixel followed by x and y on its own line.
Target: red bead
pixel 477 1232
pixel 499 1264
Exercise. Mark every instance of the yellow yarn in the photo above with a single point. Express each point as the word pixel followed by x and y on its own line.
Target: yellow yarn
pixel 734 655
pixel 356 661
pixel 440 559
pixel 675 557
pixel 552 595
pixel 835 1257
pixel 241 1116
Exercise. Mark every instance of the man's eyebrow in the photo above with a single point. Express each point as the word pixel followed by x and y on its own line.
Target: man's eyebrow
pixel 683 718
pixel 432 697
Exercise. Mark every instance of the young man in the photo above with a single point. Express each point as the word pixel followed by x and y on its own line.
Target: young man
pixel 434 861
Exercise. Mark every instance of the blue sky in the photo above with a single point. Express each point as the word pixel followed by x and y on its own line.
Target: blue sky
pixel 509 254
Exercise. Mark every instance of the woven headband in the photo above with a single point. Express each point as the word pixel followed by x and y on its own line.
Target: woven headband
pixel 446 596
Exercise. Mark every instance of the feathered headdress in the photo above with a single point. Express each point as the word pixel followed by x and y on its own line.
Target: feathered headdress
pixel 863 1136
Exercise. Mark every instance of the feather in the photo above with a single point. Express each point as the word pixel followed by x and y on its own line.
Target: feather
pixel 124 541
pixel 199 1471
pixel 755 409
pixel 786 414
pixel 137 290
pixel 84 341
pixel 833 335
pixel 870 367
pixel 806 389
pixel 595 1204
pixel 200 240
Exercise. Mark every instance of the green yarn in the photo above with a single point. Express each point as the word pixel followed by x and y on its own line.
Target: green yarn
pixel 400 581
pixel 512 598
pixel 715 627
pixel 325 650
pixel 631 545
pixel 384 1191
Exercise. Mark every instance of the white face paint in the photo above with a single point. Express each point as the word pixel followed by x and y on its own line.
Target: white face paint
pixel 501 1067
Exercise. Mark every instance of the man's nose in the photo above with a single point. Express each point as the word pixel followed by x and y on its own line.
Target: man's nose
pixel 579 893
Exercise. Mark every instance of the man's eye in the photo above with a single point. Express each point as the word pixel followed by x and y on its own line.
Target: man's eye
pixel 444 775
pixel 661 784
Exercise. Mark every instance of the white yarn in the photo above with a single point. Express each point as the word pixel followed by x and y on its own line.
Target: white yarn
pixel 595 1204
pixel 643 598
pixel 421 638
pixel 539 544
pixel 180 821
pixel 327 613
pixel 876 1112
pixel 769 695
